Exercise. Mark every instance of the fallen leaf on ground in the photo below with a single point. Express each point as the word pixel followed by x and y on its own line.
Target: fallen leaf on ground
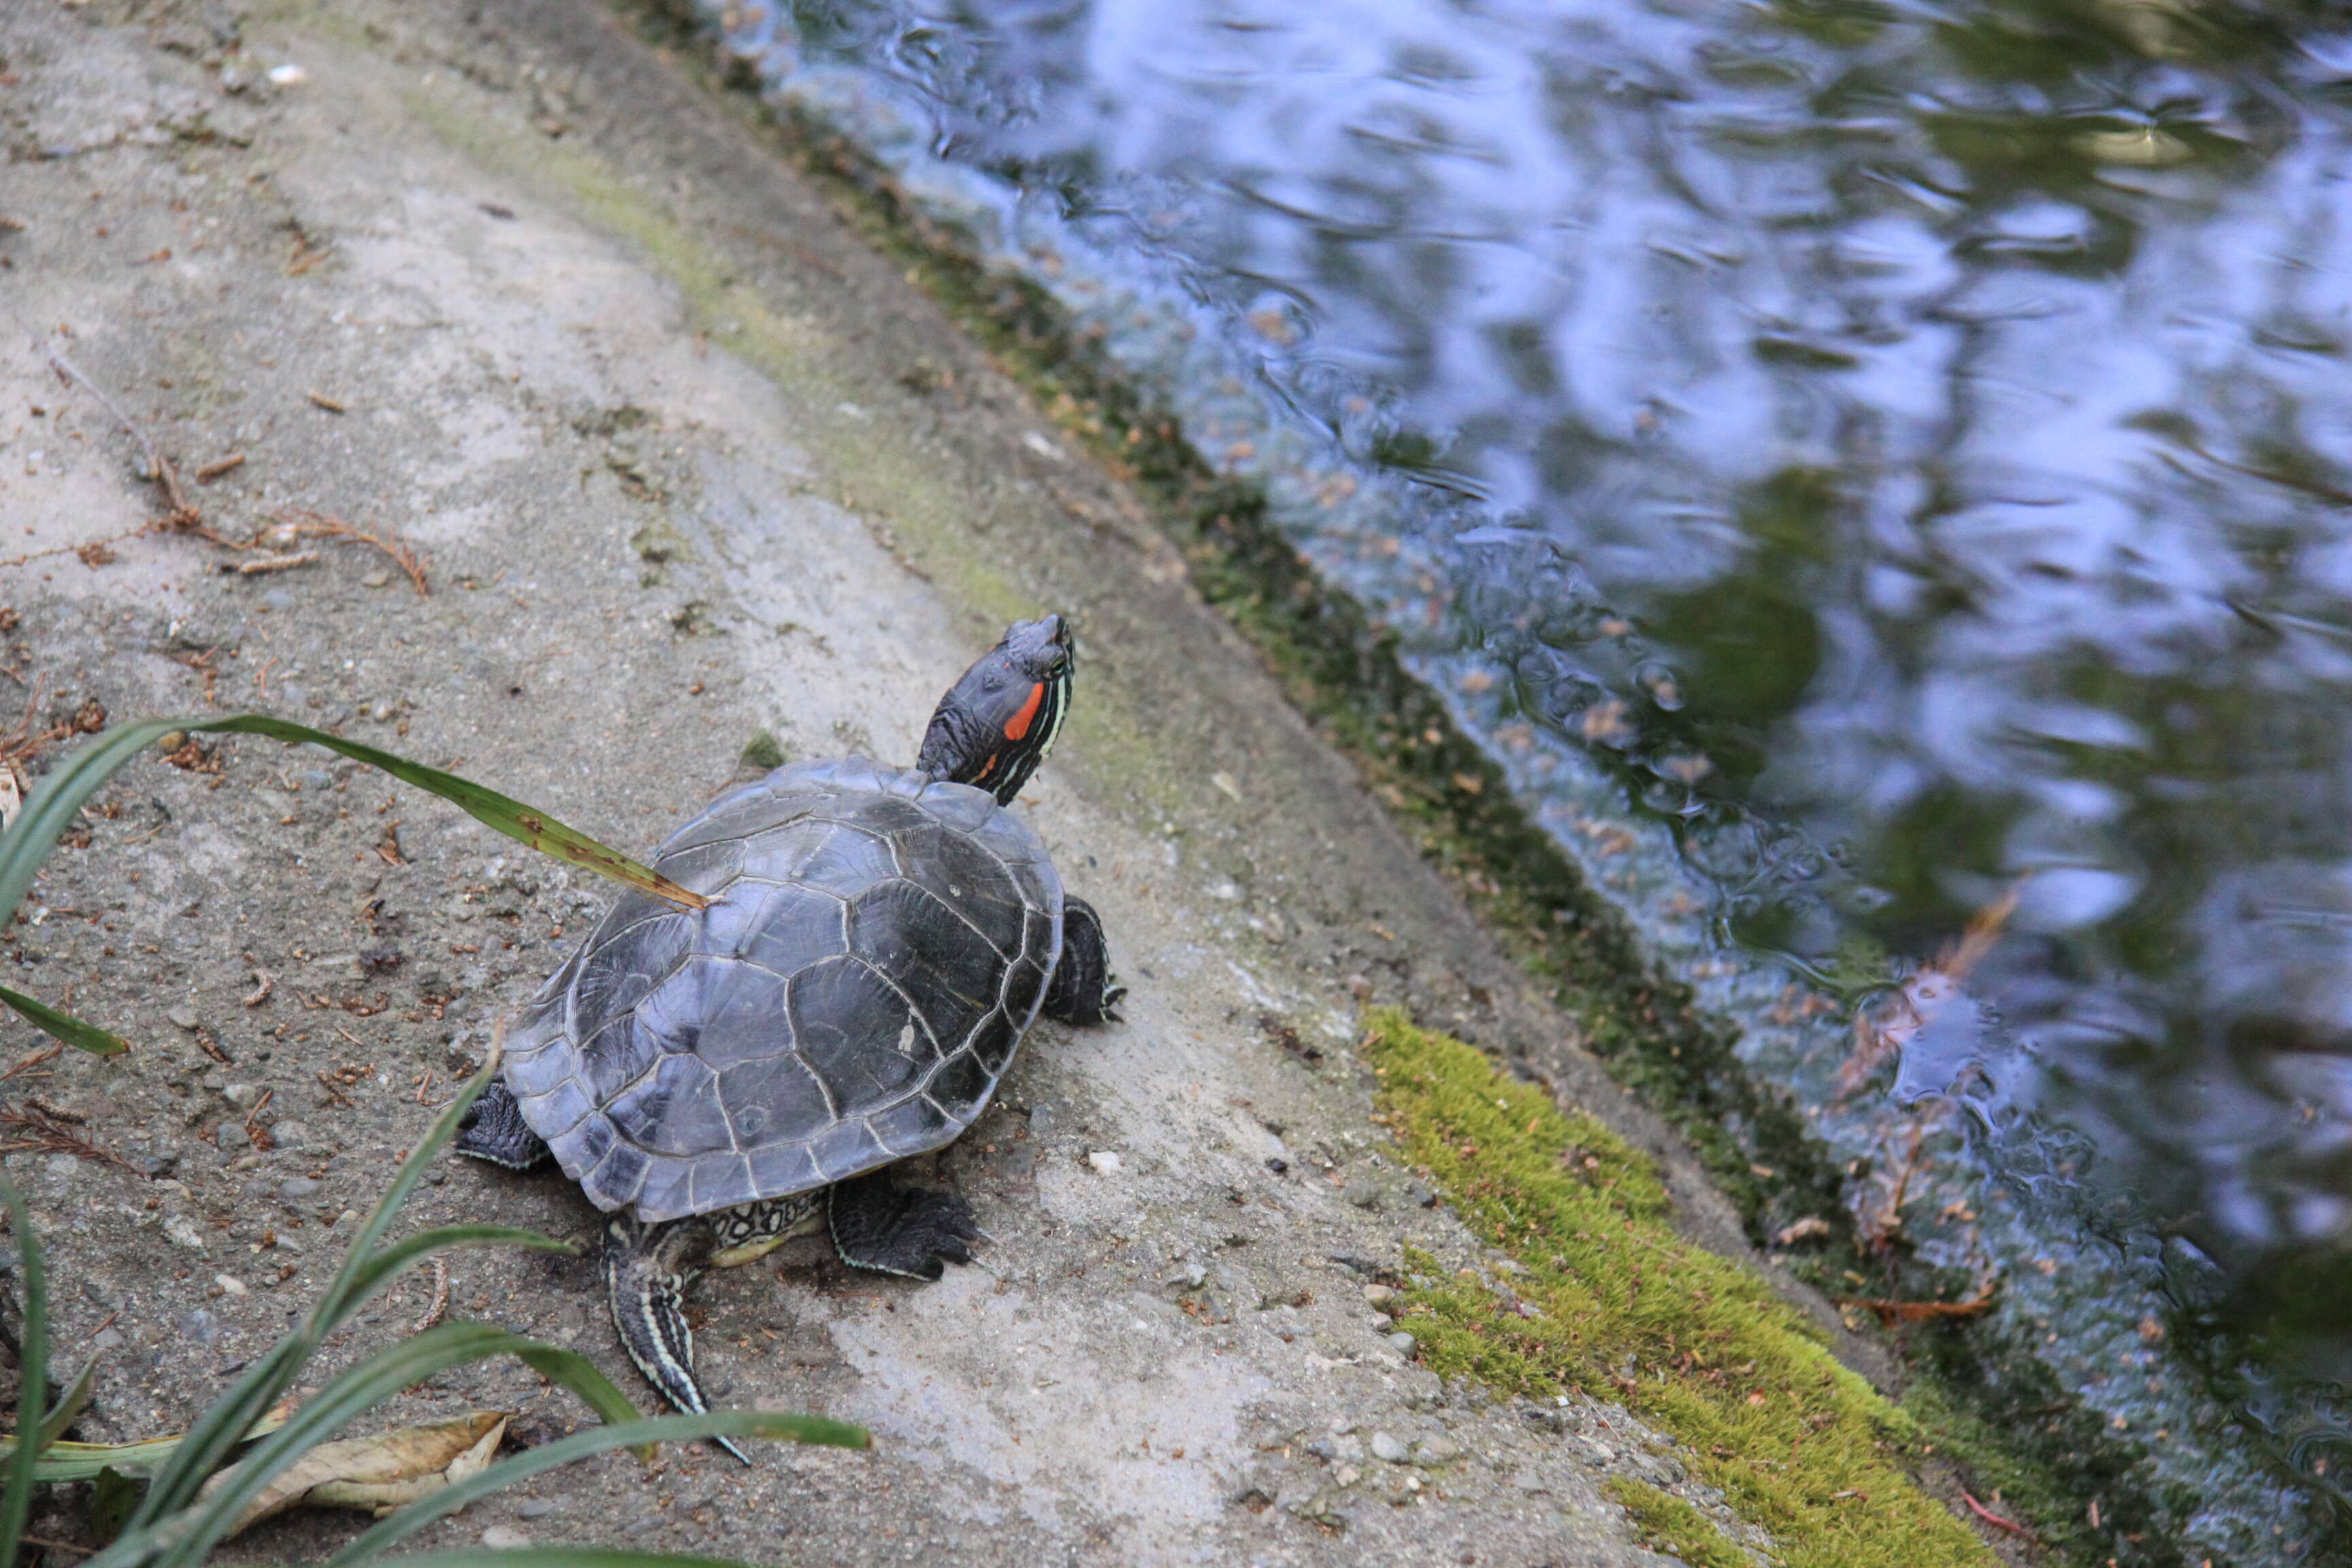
pixel 381 1473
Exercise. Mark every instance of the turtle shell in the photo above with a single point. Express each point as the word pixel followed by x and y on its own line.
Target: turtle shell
pixel 877 946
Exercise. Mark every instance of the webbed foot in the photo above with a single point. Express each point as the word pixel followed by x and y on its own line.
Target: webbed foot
pixel 494 1129
pixel 907 1231
pixel 1083 990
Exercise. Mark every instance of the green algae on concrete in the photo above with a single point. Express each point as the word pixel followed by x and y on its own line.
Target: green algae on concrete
pixel 1673 1526
pixel 1610 1300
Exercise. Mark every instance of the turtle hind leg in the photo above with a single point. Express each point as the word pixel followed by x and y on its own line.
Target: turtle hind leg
pixel 1083 990
pixel 646 1270
pixel 494 1129
pixel 906 1231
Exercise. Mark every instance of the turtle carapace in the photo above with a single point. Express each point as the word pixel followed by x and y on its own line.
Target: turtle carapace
pixel 877 943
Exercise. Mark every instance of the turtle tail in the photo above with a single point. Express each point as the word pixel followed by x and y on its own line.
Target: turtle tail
pixel 646 1270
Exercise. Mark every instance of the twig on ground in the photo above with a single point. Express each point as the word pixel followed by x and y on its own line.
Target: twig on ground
pixel 32 1059
pixel 304 523
pixel 440 1302
pixel 160 473
pixel 1995 1520
pixel 254 568
pixel 215 468
pixel 254 1131
pixel 23 743
pixel 40 1130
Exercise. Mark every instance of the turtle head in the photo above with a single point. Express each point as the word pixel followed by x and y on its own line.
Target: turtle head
pixel 996 724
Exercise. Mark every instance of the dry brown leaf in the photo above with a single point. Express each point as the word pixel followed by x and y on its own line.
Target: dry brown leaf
pixel 381 1473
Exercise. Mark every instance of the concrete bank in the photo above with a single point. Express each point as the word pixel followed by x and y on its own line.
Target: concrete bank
pixel 687 463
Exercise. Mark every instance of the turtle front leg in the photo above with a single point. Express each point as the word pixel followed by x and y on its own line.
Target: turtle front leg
pixel 907 1231
pixel 1083 990
pixel 646 1270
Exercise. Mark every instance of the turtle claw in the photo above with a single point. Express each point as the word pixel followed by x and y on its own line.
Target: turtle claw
pixel 907 1231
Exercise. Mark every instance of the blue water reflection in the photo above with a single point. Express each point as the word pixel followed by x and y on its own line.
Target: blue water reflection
pixel 1912 442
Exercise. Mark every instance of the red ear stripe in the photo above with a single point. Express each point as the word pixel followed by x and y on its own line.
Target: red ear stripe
pixel 1018 725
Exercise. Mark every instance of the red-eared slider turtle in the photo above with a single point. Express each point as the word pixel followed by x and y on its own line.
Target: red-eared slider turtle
pixel 878 942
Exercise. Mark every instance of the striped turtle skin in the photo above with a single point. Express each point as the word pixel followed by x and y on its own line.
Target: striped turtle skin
pixel 879 943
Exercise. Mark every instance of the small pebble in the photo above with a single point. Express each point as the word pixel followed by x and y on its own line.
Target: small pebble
pixel 1433 1451
pixel 298 1189
pixel 290 1135
pixel 287 76
pixel 1347 1475
pixel 536 1507
pixel 504 1538
pixel 1423 1196
pixel 1405 1343
pixel 199 1327
pixel 230 1283
pixel 1363 1195
pixel 1379 1295
pixel 1104 1163
pixel 183 1016
pixel 232 1137
pixel 376 580
pixel 1387 1449
pixel 1191 1275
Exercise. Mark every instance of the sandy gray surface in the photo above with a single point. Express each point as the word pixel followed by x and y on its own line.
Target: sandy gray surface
pixel 688 463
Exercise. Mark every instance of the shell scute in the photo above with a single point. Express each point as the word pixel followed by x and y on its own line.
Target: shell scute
pixel 776 1092
pixel 933 955
pixel 858 1035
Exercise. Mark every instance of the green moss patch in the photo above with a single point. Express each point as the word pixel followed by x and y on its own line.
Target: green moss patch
pixel 1669 1524
pixel 1612 1302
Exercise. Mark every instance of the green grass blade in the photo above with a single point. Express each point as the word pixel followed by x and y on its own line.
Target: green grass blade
pixel 71 1405
pixel 578 1373
pixel 113 1496
pixel 83 1461
pixel 192 1535
pixel 512 818
pixel 64 1025
pixel 225 1423
pixel 218 1430
pixel 391 1531
pixel 390 1260
pixel 344 1294
pixel 32 1395
pixel 58 796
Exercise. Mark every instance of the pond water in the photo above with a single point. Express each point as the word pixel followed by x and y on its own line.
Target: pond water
pixel 1889 457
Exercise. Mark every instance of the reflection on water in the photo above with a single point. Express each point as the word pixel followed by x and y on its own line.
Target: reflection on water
pixel 1912 442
